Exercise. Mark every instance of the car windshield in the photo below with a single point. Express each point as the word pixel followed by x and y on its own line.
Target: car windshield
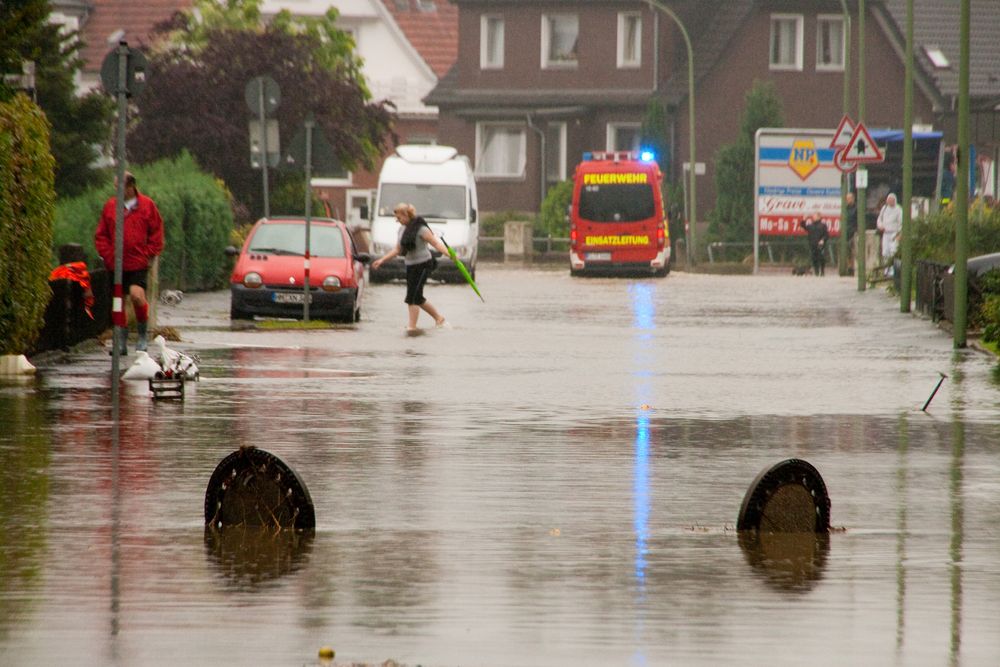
pixel 617 203
pixel 431 201
pixel 290 239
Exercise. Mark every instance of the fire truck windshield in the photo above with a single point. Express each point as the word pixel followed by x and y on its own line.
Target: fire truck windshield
pixel 617 202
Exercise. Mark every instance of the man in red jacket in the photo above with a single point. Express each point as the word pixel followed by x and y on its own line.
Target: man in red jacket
pixel 142 240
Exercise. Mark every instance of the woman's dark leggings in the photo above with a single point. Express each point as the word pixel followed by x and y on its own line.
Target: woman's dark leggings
pixel 416 278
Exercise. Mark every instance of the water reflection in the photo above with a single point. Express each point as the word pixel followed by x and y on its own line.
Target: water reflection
pixel 791 562
pixel 901 529
pixel 25 457
pixel 643 323
pixel 252 557
pixel 957 529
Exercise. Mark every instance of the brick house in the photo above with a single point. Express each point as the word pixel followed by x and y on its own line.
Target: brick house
pixel 405 46
pixel 540 81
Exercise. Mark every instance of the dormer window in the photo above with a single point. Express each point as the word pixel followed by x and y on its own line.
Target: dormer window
pixel 937 56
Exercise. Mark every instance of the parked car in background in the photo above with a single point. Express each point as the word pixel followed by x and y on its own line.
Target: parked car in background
pixel 440 184
pixel 269 277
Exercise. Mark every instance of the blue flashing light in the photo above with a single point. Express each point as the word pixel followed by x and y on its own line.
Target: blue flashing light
pixel 647 156
pixel 588 156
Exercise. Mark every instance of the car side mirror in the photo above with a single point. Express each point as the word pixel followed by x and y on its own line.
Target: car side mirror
pixel 363 257
pixel 364 212
pixel 232 251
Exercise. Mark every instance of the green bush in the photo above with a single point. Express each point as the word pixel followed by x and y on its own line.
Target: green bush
pixel 27 190
pixel 289 198
pixel 987 314
pixel 197 220
pixel 553 217
pixel 492 223
pixel 934 235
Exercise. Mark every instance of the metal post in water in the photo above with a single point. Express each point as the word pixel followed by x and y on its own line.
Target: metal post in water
pixel 931 397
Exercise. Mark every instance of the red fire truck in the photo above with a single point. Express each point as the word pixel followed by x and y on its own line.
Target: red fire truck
pixel 617 219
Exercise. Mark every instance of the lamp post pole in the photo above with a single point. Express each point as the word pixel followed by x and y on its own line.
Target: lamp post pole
pixel 692 256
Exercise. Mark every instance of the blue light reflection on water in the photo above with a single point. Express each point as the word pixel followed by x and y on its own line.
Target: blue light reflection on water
pixel 643 324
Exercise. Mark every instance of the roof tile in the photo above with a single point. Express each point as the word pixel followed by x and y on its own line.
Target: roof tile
pixel 135 18
pixel 431 26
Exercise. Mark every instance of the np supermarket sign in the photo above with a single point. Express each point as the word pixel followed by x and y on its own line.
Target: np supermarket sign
pixel 795 176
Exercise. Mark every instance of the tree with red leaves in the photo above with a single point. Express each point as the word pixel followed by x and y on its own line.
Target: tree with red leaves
pixel 194 100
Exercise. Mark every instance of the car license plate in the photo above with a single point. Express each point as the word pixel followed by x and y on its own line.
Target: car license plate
pixel 598 256
pixel 289 297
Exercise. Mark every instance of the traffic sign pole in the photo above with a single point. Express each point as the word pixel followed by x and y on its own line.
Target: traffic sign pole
pixel 309 132
pixel 263 143
pixel 118 322
pixel 861 199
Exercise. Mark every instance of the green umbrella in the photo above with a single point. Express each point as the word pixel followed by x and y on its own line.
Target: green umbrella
pixel 461 269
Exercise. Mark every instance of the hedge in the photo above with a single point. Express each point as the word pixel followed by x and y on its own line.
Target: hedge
pixel 934 235
pixel 27 193
pixel 197 219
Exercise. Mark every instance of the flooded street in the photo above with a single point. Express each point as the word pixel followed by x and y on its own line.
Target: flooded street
pixel 555 480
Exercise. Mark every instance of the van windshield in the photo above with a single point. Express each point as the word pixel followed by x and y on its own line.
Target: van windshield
pixel 431 201
pixel 290 239
pixel 617 203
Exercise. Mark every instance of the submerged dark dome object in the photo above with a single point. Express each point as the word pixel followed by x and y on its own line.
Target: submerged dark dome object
pixel 788 497
pixel 252 487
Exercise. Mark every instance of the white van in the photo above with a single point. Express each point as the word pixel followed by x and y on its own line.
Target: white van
pixel 440 184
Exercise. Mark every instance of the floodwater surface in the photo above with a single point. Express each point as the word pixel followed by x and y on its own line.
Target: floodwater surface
pixel 554 480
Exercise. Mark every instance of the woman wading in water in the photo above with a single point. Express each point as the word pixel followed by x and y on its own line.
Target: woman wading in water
pixel 414 238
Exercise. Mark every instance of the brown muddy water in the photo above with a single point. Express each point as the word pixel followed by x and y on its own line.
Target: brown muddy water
pixel 555 480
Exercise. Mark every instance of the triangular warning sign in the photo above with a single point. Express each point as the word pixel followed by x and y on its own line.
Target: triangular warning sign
pixel 862 148
pixel 844 133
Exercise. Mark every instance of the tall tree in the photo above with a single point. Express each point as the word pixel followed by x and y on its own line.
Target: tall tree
pixel 79 125
pixel 732 218
pixel 194 98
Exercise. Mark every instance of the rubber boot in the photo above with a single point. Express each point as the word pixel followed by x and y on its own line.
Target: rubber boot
pixel 142 328
pixel 119 339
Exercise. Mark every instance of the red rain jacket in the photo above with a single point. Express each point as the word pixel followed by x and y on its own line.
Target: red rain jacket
pixel 143 238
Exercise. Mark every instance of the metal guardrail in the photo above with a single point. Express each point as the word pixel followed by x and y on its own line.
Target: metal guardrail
pixel 545 242
pixel 765 245
pixel 929 288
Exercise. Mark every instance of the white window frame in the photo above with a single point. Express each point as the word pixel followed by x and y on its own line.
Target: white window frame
pixel 484 41
pixel 546 38
pixel 561 151
pixel 612 134
pixel 799 42
pixel 347 181
pixel 824 20
pixel 520 129
pixel 624 62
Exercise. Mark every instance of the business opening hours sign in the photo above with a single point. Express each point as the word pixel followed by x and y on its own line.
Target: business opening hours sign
pixel 795 176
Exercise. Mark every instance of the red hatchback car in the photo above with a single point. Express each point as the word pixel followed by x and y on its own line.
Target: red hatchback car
pixel 269 277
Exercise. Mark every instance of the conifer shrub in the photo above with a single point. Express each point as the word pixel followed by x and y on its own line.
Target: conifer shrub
pixel 27 193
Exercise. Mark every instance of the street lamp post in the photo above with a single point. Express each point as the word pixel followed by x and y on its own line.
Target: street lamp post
pixel 691 254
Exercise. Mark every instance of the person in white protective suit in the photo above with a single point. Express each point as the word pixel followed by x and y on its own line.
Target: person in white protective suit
pixel 890 225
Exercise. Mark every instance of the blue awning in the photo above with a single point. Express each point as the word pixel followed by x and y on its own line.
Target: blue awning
pixel 897 135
